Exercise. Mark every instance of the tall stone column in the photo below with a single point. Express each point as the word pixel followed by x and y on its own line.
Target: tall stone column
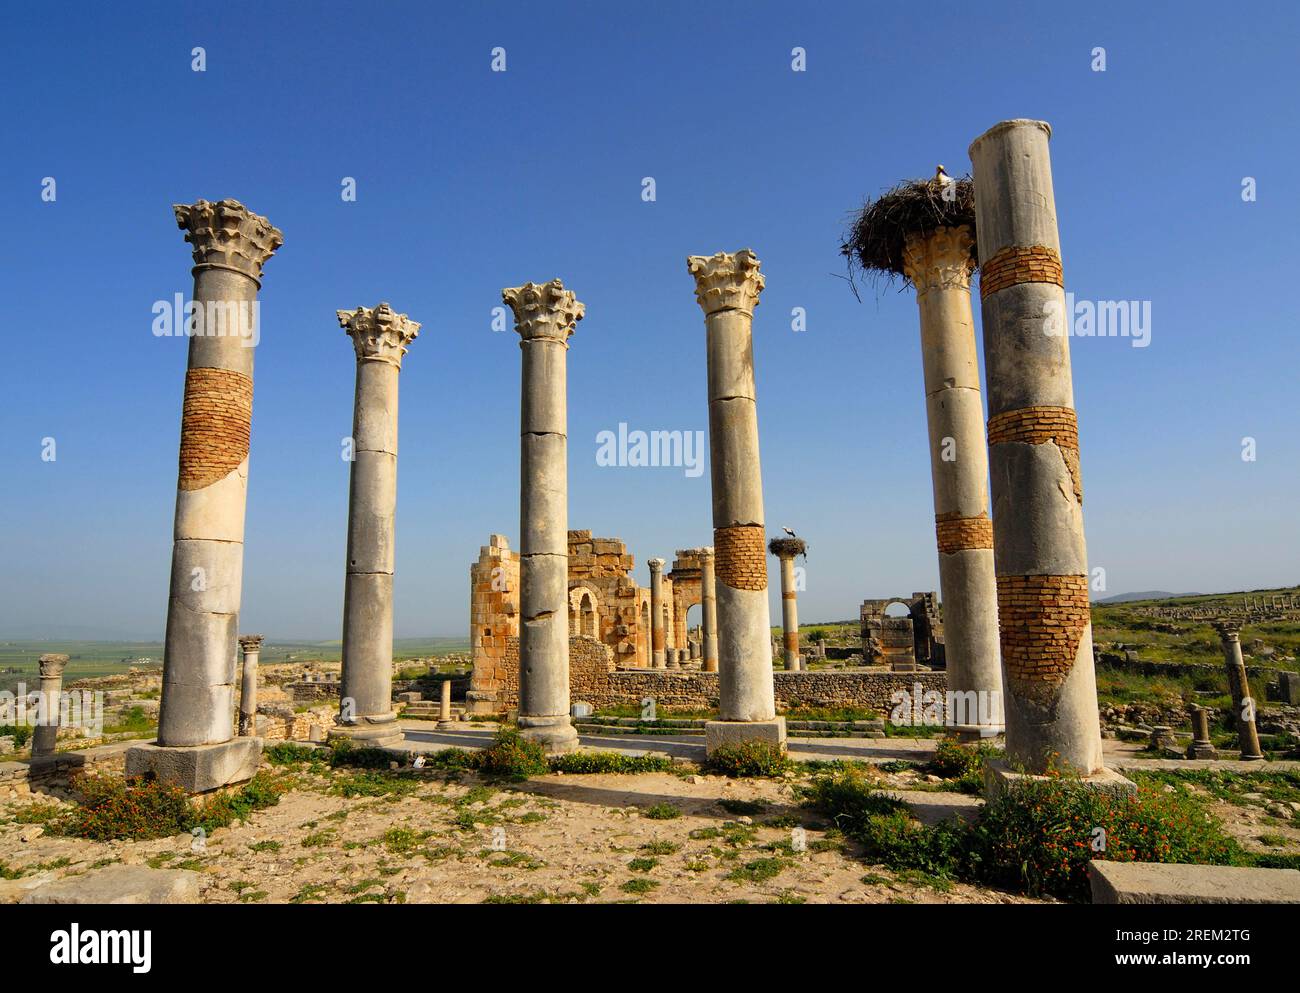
pixel 658 635
pixel 380 338
pixel 1039 550
pixel 46 734
pixel 709 610
pixel 230 244
pixel 786 549
pixel 939 264
pixel 727 286
pixel 1239 685
pixel 545 316
pixel 251 644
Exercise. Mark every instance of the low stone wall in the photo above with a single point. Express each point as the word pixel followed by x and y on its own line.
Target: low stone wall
pixel 21 778
pixel 590 665
pixel 866 689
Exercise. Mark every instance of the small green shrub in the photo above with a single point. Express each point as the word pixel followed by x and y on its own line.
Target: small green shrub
pixel 662 812
pixel 513 756
pixel 21 734
pixel 964 763
pixel 609 762
pixel 136 809
pixel 748 759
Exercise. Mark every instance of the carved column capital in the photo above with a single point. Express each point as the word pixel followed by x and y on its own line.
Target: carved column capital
pixel 656 565
pixel 726 281
pixel 544 311
pixel 379 334
pixel 52 665
pixel 1229 630
pixel 250 642
pixel 228 234
pixel 940 259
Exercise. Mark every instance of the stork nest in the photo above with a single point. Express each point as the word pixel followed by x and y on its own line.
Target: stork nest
pixel 879 231
pixel 782 547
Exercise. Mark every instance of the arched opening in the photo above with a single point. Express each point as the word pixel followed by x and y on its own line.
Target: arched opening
pixel 668 628
pixel 646 655
pixel 589 624
pixel 695 631
pixel 898 609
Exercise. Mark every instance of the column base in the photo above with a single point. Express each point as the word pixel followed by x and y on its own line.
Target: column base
pixel 555 734
pixel 998 777
pixel 1204 751
pixel 196 768
pixel 717 733
pixel 370 733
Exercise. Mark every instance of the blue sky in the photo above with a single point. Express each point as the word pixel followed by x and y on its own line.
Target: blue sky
pixel 469 180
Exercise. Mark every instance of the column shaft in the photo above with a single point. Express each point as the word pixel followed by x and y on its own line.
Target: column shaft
pixel 45 736
pixel 939 265
pixel 208 548
pixel 1039 549
pixel 658 634
pixel 544 316
pixel 727 288
pixel 709 611
pixel 380 337
pixel 789 615
pixel 252 649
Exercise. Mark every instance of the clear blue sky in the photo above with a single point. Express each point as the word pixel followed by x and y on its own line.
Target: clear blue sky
pixel 470 180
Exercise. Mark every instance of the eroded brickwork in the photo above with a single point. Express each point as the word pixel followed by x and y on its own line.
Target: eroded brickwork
pixel 1038 426
pixel 741 557
pixel 215 425
pixel 1042 619
pixel 1018 264
pixel 956 534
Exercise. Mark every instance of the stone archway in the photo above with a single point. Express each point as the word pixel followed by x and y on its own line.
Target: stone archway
pixel 584 613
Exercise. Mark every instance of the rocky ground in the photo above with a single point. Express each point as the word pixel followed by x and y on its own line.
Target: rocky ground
pixel 343 836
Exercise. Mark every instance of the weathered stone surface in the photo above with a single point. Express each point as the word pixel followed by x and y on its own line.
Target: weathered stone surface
pixel 718 733
pixel 1156 882
pixel 120 884
pixel 197 768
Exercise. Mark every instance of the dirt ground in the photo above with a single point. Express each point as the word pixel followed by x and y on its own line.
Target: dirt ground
pixel 556 838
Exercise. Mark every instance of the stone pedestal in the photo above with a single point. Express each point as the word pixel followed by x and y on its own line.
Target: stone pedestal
pixel 545 317
pixel 45 735
pixel 939 265
pixel 709 610
pixel 198 768
pixel 786 550
pixel 230 245
pixel 1239 684
pixel 1041 559
pixel 251 645
pixel 998 777
pixel 380 338
pixel 727 287
pixel 658 630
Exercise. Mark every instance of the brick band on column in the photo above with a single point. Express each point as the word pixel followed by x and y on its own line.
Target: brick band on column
pixel 741 557
pixel 1038 426
pixel 1016 264
pixel 1042 619
pixel 215 425
pixel 959 534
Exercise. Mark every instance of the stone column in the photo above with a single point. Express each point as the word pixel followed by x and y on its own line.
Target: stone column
pixel 786 549
pixel 727 287
pixel 939 264
pixel 709 610
pixel 545 316
pixel 658 636
pixel 444 705
pixel 380 338
pixel 1039 550
pixel 252 648
pixel 230 245
pixel 1239 684
pixel 1201 747
pixel 46 734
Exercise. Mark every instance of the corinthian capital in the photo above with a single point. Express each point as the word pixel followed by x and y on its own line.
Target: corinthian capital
pixel 547 310
pixel 726 281
pixel 379 334
pixel 228 233
pixel 52 665
pixel 940 259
